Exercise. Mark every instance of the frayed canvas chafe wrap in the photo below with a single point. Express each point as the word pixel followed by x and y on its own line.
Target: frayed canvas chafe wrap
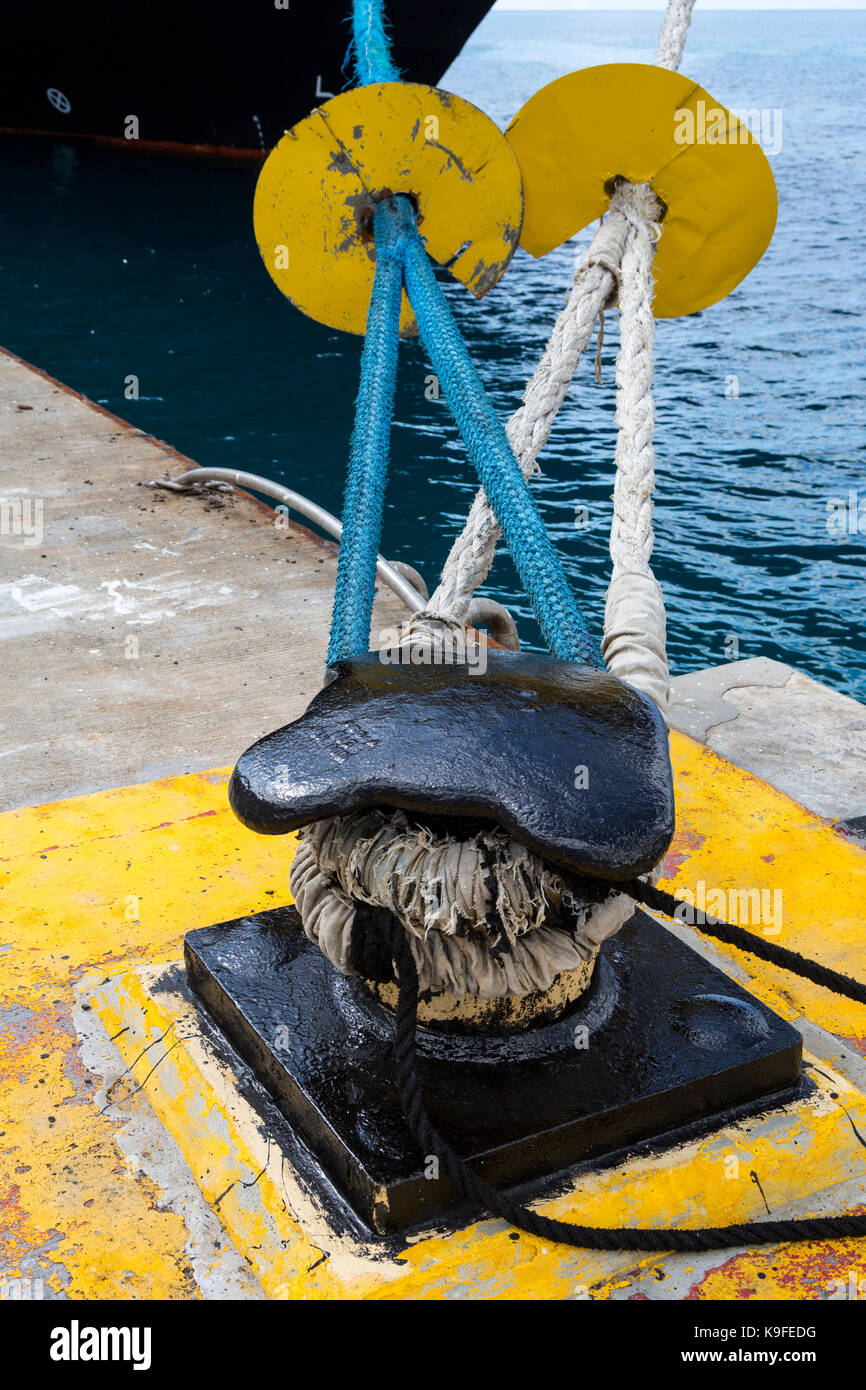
pixel 483 914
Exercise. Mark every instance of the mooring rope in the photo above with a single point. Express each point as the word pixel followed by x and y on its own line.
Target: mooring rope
pixel 401 261
pixel 483 1194
pixel 537 563
pixel 672 39
pixel 486 443
pixel 619 260
pixel 371 45
pixel 364 496
pixel 635 639
pixel 485 915
pixel 660 901
pixel 634 643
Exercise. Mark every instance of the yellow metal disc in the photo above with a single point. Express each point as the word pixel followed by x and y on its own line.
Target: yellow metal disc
pixel 317 188
pixel 655 126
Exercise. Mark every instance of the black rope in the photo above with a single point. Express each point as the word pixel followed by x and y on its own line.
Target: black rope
pixel 660 901
pixel 565 1232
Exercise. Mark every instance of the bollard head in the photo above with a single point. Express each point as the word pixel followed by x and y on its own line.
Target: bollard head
pixel 568 759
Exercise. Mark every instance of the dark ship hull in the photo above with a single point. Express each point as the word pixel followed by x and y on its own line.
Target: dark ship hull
pixel 228 75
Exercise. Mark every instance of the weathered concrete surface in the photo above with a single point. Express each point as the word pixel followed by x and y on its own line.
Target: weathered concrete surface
pixel 794 732
pixel 214 1267
pixel 141 633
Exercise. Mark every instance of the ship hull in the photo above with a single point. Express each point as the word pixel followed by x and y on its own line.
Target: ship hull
pixel 221 75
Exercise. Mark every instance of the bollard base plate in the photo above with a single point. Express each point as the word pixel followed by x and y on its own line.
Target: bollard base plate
pixel 660 1042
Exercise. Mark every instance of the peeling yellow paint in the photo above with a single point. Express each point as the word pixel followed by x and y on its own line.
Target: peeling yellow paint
pixel 834 1272
pixel 735 831
pixel 316 191
pixel 92 883
pixel 796 1150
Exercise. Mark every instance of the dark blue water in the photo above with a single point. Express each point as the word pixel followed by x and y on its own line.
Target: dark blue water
pixel 119 262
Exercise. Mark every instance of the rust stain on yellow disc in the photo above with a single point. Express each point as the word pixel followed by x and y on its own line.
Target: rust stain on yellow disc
pixel 655 126
pixel 317 188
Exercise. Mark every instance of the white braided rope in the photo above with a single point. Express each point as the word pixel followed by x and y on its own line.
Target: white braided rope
pixel 672 39
pixel 635 637
pixel 634 620
pixel 635 628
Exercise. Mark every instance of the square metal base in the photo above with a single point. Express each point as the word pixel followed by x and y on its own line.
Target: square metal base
pixel 661 1039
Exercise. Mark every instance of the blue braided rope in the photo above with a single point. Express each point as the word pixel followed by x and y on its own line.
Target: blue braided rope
pixel 370 446
pixel 373 62
pixel 537 562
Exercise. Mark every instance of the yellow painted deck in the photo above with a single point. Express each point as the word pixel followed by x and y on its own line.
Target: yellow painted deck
pixel 96 893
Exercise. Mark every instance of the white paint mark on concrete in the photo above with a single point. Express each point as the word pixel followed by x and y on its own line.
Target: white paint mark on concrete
pixel 46 603
pixel 7 752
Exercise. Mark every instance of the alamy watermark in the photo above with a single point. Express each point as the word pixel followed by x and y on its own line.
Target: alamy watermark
pixel 742 907
pixel 846 516
pixel 852 1286
pixel 399 646
pixel 711 125
pixel 77 1343
pixel 22 516
pixel 22 1289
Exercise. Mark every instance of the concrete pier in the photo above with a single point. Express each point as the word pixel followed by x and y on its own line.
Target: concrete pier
pixel 142 633
pixel 797 734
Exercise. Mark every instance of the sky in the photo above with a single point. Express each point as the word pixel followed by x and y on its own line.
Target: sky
pixel 661 4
